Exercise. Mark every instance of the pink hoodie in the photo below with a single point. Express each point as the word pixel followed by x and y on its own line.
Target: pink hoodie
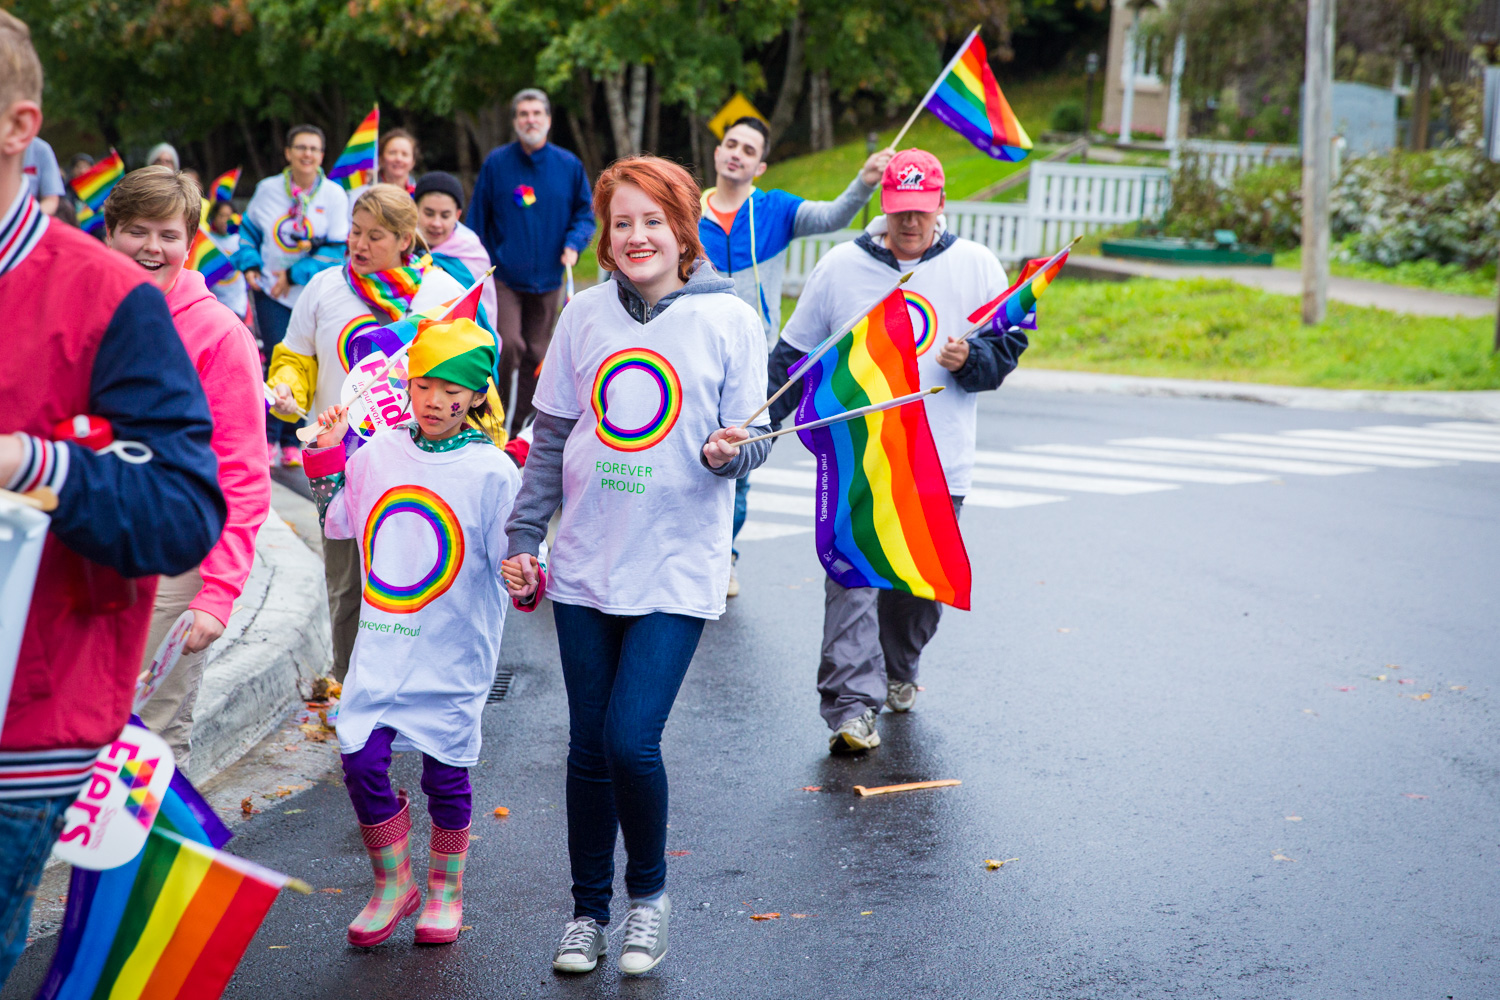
pixel 224 354
pixel 464 245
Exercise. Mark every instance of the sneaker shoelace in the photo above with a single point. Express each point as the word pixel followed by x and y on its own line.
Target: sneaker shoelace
pixel 577 937
pixel 641 927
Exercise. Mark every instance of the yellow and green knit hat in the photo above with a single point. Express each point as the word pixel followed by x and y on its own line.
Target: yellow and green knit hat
pixel 458 350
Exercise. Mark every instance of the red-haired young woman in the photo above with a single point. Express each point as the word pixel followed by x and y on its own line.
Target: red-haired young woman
pixel 640 396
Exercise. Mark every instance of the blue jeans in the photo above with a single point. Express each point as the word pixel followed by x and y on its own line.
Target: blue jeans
pixel 272 318
pixel 741 496
pixel 28 829
pixel 622 673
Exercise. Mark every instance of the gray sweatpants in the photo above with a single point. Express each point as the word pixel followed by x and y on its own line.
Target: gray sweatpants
pixel 869 637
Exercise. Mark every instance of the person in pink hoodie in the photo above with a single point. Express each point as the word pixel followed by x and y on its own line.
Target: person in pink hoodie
pixel 151 217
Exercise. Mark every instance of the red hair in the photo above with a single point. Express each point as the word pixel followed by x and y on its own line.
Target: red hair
pixel 665 183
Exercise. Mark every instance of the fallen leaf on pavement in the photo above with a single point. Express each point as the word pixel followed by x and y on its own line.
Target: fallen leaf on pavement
pixel 678 854
pixel 1405 680
pixel 1294 819
pixel 247 807
pixel 1065 630
pixel 334 891
pixel 282 791
pixel 1349 688
pixel 992 864
pixel 1391 666
pixel 1413 795
pixel 1457 687
pixel 1381 677
pixel 1424 696
pixel 765 916
pixel 865 913
pixel 501 811
pixel 279 947
pixel 292 812
pixel 799 916
pixel 467 927
pixel 1283 857
pixel 812 788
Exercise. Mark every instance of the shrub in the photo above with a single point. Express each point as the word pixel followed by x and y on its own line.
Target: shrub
pixel 1068 117
pixel 1263 207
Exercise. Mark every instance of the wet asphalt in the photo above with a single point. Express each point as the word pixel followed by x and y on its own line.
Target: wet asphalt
pixel 1164 706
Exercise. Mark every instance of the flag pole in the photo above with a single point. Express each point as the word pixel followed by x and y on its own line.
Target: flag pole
pixel 376 173
pixel 942 75
pixel 990 316
pixel 822 349
pixel 863 411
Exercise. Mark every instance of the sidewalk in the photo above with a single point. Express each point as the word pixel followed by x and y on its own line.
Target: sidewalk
pixel 1352 291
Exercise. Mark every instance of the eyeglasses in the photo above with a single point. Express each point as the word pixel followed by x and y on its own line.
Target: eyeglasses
pixel 307 149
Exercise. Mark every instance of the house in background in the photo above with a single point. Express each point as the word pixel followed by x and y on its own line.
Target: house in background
pixel 1138 78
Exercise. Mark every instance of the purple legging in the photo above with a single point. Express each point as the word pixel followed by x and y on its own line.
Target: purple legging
pixel 450 802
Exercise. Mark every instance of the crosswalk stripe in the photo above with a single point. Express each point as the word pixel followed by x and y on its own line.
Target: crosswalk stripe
pixel 1301 454
pixel 1391 446
pixel 1005 499
pixel 771 502
pixel 1061 481
pixel 1184 458
pixel 794 478
pixel 1348 447
pixel 1468 425
pixel 1059 464
pixel 760 531
pixel 1426 435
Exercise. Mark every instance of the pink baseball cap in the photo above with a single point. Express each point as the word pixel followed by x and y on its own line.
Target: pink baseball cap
pixel 913 182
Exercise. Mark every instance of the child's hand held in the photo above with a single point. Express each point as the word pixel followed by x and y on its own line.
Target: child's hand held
pixel 521 575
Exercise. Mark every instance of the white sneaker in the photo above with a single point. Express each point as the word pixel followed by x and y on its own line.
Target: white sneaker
pixel 645 936
pixel 582 944
pixel 900 696
pixel 858 733
pixel 734 578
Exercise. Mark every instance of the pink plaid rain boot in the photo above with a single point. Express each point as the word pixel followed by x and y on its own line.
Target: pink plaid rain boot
pixel 396 894
pixel 444 913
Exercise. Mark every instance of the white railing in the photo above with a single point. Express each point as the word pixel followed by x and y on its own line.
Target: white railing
pixel 1064 200
pixel 1224 161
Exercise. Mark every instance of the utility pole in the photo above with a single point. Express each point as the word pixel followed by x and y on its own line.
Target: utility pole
pixel 1317 159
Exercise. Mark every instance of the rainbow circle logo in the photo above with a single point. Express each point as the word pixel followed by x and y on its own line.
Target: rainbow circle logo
pixel 289 233
pixel 525 195
pixel 923 320
pixel 405 600
pixel 353 328
pixel 669 402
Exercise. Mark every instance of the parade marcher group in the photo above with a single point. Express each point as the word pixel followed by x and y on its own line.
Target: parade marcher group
pixel 639 398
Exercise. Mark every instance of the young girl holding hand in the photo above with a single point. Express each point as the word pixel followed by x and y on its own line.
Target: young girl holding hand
pixel 428 502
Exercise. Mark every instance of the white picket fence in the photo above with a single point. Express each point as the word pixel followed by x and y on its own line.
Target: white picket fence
pixel 1064 200
pixel 1224 161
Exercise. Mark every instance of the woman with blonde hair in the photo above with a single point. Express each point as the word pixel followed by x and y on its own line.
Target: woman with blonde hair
pixel 379 283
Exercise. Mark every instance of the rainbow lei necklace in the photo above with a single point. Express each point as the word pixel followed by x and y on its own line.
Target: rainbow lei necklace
pixel 388 293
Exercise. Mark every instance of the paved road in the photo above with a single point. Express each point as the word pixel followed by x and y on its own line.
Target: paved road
pixel 1165 704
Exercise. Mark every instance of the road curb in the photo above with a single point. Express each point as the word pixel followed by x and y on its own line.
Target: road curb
pixel 278 638
pixel 1477 405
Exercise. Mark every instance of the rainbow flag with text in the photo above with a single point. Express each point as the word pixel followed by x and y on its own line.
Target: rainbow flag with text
pixel 884 517
pixel 355 166
pixel 968 100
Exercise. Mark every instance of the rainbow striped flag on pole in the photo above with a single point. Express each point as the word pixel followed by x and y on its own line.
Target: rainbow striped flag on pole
pixel 1017 304
pixel 92 187
pixel 884 517
pixel 209 260
pixel 223 186
pixel 356 164
pixel 968 100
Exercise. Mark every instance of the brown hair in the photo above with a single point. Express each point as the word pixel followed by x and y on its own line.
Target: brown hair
pixel 20 69
pixel 393 209
pixel 401 133
pixel 665 183
pixel 154 192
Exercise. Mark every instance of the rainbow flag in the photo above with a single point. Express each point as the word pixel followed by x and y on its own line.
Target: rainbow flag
pixel 92 187
pixel 968 100
pixel 391 337
pixel 356 164
pixel 884 517
pixel 207 259
pixel 223 186
pixel 1017 304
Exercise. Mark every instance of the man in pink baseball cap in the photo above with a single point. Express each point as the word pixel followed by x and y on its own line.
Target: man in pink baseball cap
pixel 873 639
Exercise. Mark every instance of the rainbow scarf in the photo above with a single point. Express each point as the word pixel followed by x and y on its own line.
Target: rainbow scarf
pixel 968 100
pixel 884 517
pixel 301 199
pixel 387 293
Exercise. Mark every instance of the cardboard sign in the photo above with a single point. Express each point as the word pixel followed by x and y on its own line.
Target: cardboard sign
pixel 107 824
pixel 167 655
pixel 381 406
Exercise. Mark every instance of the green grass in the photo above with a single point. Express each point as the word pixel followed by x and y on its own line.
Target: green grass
pixel 1427 274
pixel 1220 330
pixel 824 175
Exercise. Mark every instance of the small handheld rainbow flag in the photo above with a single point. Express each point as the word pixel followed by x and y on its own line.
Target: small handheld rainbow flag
pixel 393 337
pixel 884 517
pixel 1017 303
pixel 356 164
pixel 968 100
pixel 223 186
pixel 93 186
pixel 208 260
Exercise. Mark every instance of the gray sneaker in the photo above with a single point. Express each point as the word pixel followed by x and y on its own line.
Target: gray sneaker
pixel 582 943
pixel 859 733
pixel 734 578
pixel 645 936
pixel 900 696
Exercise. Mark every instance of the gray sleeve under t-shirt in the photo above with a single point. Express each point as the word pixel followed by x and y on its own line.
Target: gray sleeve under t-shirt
pixel 541 484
